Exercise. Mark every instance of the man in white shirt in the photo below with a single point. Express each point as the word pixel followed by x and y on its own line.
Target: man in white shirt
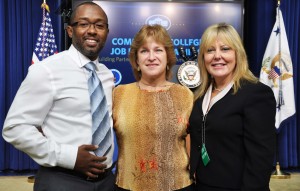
pixel 55 97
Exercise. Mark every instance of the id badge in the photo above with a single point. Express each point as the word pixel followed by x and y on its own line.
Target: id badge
pixel 204 154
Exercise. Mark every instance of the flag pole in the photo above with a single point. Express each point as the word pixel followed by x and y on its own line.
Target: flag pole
pixel 44 6
pixel 43 50
pixel 277 173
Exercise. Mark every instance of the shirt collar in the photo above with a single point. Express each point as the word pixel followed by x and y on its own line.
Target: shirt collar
pixel 79 58
pixel 208 102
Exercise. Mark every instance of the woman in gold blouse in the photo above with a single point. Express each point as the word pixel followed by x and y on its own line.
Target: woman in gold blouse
pixel 151 118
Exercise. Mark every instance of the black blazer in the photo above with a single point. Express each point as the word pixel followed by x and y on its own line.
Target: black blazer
pixel 240 140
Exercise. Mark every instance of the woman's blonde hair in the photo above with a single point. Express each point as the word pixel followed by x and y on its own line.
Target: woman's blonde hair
pixel 160 35
pixel 229 36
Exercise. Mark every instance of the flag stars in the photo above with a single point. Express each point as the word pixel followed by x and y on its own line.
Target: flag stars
pixel 45 45
pixel 277 31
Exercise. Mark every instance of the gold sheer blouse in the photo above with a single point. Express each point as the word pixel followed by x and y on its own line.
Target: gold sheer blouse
pixel 151 130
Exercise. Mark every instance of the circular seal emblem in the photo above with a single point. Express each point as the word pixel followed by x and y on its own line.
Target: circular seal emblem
pixel 159 19
pixel 189 75
pixel 117 75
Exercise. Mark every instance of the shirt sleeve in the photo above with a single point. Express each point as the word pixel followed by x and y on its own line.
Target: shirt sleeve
pixel 29 110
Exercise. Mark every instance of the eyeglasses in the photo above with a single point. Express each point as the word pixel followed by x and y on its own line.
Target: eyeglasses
pixel 86 25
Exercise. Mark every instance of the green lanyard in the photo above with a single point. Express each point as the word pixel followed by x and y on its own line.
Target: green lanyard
pixel 204 154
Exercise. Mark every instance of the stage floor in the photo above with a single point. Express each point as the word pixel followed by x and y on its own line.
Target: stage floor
pixel 20 183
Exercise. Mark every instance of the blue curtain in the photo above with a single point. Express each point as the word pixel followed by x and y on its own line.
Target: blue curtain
pixel 20 21
pixel 19 25
pixel 260 18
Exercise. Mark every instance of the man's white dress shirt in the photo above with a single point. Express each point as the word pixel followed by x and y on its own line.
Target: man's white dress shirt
pixel 54 96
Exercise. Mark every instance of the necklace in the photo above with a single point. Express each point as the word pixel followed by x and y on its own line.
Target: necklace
pixel 219 90
pixel 152 87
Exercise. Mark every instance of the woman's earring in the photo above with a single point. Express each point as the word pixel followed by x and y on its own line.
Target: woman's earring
pixel 168 67
pixel 138 69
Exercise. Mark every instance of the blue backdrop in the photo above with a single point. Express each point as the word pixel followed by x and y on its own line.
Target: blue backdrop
pixel 184 22
pixel 20 21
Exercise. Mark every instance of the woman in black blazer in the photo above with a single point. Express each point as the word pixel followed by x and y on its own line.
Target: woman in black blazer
pixel 232 125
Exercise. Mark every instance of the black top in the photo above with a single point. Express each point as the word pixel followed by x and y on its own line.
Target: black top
pixel 240 140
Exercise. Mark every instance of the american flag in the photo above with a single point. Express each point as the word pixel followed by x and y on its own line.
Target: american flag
pixel 274 73
pixel 45 45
